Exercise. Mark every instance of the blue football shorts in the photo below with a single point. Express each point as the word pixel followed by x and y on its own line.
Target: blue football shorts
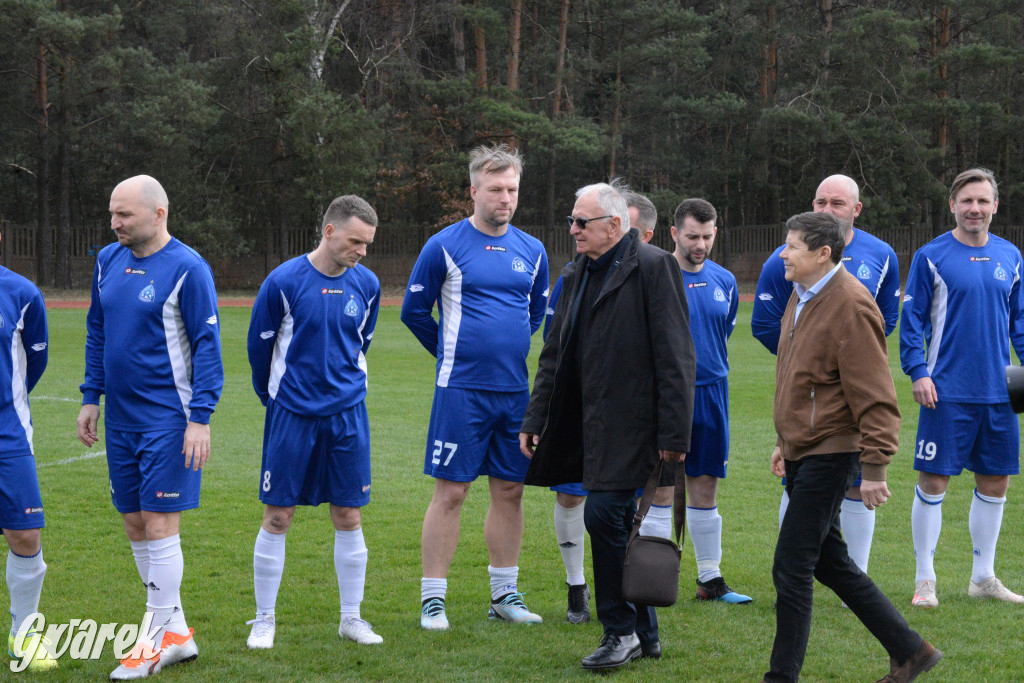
pixel 981 437
pixel 571 489
pixel 147 472
pixel 709 439
pixel 475 432
pixel 314 460
pixel 21 506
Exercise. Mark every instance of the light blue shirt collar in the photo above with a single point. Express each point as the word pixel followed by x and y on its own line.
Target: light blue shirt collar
pixel 805 295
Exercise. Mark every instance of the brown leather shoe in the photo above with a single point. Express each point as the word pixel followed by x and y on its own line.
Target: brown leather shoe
pixel 923 660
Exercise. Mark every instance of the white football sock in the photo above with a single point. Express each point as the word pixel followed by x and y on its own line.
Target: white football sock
pixel 25 584
pixel 166 567
pixel 569 530
pixel 503 580
pixel 658 522
pixel 267 569
pixel 432 588
pixel 350 564
pixel 783 504
pixel 858 525
pixel 140 551
pixel 985 520
pixel 705 526
pixel 926 525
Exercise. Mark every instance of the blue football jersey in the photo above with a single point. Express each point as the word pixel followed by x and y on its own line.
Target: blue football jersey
pixel 153 339
pixel 869 259
pixel 961 311
pixel 23 356
pixel 490 293
pixel 308 337
pixel 712 297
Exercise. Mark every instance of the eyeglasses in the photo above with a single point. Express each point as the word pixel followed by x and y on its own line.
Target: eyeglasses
pixel 582 222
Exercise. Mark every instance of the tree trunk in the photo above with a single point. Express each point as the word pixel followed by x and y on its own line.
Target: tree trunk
pixel 480 42
pixel 825 67
pixel 514 39
pixel 458 40
pixel 941 38
pixel 44 240
pixel 64 216
pixel 556 108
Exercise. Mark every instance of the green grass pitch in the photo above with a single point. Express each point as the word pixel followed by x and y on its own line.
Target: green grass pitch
pixel 92 575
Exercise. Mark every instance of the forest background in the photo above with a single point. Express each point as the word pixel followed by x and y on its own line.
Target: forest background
pixel 254 114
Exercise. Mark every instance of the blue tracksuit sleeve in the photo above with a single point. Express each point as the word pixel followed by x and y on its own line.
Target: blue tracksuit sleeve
pixel 770 299
pixel 267 312
pixel 35 338
pixel 371 321
pixel 424 287
pixel 915 320
pixel 734 308
pixel 93 386
pixel 1017 317
pixel 202 325
pixel 539 293
pixel 888 297
pixel 549 313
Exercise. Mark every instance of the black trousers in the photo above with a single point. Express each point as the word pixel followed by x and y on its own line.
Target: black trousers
pixel 608 516
pixel 811 547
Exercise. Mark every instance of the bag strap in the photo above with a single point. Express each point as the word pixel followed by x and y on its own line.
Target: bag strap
pixel 678 506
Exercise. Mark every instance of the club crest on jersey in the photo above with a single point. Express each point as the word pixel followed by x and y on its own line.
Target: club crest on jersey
pixel 352 308
pixel 864 273
pixel 719 294
pixel 148 294
pixel 518 265
pixel 999 273
pixel 493 248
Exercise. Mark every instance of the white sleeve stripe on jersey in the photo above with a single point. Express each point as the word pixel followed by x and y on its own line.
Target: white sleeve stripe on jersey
pixel 179 350
pixel 451 307
pixel 881 278
pixel 278 361
pixel 940 299
pixel 533 278
pixel 361 360
pixel 19 378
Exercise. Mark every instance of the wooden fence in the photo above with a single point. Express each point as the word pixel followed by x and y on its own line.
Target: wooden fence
pixel 742 249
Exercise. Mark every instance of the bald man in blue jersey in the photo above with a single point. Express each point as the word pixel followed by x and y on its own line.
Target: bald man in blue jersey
pixel 874 264
pixel 962 311
pixel 23 355
pixel 489 281
pixel 153 348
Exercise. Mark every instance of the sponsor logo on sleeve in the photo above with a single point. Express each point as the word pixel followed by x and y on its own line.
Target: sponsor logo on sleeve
pixel 266 334
pixel 765 296
pixel 36 347
pixel 1 320
pixel 415 288
pixel 212 320
pixel 906 298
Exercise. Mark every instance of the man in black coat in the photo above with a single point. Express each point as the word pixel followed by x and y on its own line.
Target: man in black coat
pixel 613 392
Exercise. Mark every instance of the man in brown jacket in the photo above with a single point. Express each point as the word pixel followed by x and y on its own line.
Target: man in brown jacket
pixel 835 415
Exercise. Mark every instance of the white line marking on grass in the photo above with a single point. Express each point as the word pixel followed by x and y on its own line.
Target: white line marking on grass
pixel 55 398
pixel 68 461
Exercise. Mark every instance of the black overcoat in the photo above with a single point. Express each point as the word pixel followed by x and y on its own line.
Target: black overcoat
pixel 638 373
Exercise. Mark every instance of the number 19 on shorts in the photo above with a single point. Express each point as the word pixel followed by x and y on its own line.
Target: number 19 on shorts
pixel 439 448
pixel 926 451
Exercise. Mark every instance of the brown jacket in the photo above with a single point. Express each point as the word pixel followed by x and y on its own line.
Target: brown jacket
pixel 833 388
